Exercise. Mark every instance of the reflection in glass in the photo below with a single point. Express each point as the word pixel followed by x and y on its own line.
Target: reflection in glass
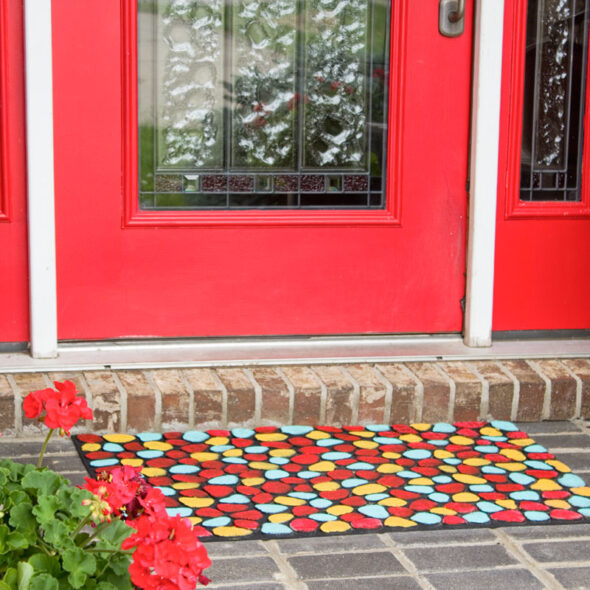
pixel 554 99
pixel 276 99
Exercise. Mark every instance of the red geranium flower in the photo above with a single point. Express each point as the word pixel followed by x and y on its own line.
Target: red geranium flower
pixel 63 408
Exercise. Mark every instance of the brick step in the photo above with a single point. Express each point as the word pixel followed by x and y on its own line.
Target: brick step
pixel 336 394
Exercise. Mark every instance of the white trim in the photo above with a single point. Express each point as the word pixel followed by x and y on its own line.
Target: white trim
pixel 249 352
pixel 41 210
pixel 485 134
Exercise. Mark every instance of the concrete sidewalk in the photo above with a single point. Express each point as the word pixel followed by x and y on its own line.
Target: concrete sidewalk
pixel 527 557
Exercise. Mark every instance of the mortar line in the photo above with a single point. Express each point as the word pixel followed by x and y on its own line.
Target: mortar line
pixel 515 391
pixel 18 410
pixel 484 406
pixel 406 562
pixel 578 381
pixel 323 396
pixel 157 399
pixel 191 399
pixel 419 405
pixel 388 403
pixel 356 395
pixel 452 391
pixel 291 577
pixel 123 400
pixel 513 548
pixel 291 390
pixel 257 396
pixel 547 397
pixel 219 382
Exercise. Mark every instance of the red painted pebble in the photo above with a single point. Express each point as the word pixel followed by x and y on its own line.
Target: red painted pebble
pixel 304 525
pixel 508 516
pixel 453 519
pixel 366 523
pixel 562 514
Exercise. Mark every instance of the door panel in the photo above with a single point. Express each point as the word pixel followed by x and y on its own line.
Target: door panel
pixel 14 297
pixel 543 222
pixel 124 271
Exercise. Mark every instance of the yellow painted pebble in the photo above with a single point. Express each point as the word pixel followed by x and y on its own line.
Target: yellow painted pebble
pixel 263 465
pixel 185 485
pixel 317 435
pixel 231 531
pixel 339 509
pixel 411 438
pixel 558 504
pixel 513 454
pixel 365 444
pixel 156 445
pixel 393 502
pixel 362 433
pixel 508 504
pixel 253 481
pixel 562 467
pixel 461 440
pixel 512 466
pixel 466 497
pixel 233 453
pixel 217 440
pixel 448 468
pixel 271 436
pixel 421 481
pixel 398 521
pixel 90 447
pixel 323 466
pixel 442 454
pixel 582 491
pixel 195 519
pixel 546 485
pixel 201 457
pixel 476 461
pixel 153 472
pixel 119 438
pixel 334 526
pixel 196 502
pixel 326 486
pixel 443 511
pixel 490 431
pixel 389 468
pixel 282 452
pixel 469 479
pixel 421 426
pixel 289 501
pixel 132 462
pixel 368 488
pixel 280 517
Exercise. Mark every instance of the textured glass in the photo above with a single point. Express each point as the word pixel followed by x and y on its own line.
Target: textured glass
pixel 262 103
pixel 336 38
pixel 554 99
pixel 190 84
pixel 264 83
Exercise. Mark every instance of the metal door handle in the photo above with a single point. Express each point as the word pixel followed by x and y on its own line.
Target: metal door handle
pixel 451 17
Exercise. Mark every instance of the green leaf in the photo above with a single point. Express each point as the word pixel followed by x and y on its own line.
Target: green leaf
pixel 5 586
pixel 16 540
pixel 44 582
pixel 47 482
pixel 22 519
pixel 46 508
pixel 58 535
pixel 115 534
pixel 25 573
pixel 119 582
pixel 71 498
pixel 104 586
pixel 80 564
pixel 4 532
pixel 11 578
pixel 45 564
pixel 119 563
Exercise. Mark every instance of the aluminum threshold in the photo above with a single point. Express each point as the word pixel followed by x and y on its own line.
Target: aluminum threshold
pixel 285 351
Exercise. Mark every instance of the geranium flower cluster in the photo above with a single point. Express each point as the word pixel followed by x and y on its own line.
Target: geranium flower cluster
pixel 62 406
pixel 168 554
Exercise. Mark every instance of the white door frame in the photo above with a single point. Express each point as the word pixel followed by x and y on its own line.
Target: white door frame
pixel 488 33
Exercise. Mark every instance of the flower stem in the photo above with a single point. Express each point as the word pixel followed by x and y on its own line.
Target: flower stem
pixel 82 524
pixel 101 527
pixel 51 430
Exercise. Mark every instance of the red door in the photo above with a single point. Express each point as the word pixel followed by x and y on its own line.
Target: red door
pixel 285 172
pixel 14 297
pixel 543 225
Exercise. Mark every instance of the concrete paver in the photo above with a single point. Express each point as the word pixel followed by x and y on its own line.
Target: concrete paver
pixel 529 557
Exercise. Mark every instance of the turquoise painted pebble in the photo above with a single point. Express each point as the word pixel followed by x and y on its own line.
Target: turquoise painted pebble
pixel 378 427
pixel 439 497
pixel 328 442
pixel 376 497
pixel 478 488
pixel 539 465
pixel 579 501
pixel 195 436
pixel 219 521
pixel 492 469
pixel 275 528
pixel 442 479
pixel 182 511
pixel 322 517
pixel 373 511
pixel 278 460
pixel 256 449
pixel 569 480
pixel 489 507
pixel 308 474
pixel 536 515
pixel 151 454
pixel 530 495
pixel 385 440
pixel 486 449
pixel 276 474
pixel 166 491
pixel 236 499
pixel 220 448
pixel 452 461
pixel 113 448
pixel 303 495
pixel 182 468
pixel 242 432
pixel 584 511
pixel 477 517
pixel 417 454
pixel 535 449
pixel 521 478
pixel 426 518
pixel 296 430
pixel 443 427
pixel 149 436
pixel 335 456
pixel 321 503
pixel 504 425
pixel 361 465
pixel 224 480
pixel 104 462
pixel 353 482
pixel 271 508
pixel 236 460
pixel 408 474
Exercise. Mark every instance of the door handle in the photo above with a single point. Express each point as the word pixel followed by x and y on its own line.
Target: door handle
pixel 451 17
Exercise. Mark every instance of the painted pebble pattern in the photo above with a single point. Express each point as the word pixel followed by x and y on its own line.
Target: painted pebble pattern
pixel 297 480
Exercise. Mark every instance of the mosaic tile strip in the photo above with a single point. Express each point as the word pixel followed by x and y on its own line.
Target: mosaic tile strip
pixel 300 480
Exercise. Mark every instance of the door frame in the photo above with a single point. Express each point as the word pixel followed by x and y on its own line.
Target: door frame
pixel 488 32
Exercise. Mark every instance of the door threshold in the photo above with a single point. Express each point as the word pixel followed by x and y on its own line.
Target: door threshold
pixel 284 351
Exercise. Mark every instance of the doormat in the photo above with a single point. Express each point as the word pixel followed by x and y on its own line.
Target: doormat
pixel 289 481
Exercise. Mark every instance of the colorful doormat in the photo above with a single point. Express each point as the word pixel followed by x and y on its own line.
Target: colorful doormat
pixel 298 480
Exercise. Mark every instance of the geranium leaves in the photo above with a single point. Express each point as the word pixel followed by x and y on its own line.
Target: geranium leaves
pixel 44 481
pixel 80 564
